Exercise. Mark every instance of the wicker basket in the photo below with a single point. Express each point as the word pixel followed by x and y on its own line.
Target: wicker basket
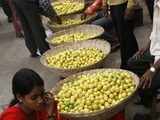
pixel 104 114
pixel 98 43
pixel 75 1
pixel 93 30
pixel 57 27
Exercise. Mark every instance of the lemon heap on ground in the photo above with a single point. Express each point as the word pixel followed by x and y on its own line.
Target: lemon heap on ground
pixel 78 36
pixel 73 59
pixel 92 92
pixel 67 7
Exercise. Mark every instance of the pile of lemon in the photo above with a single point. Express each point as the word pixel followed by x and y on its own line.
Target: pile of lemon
pixel 71 21
pixel 74 59
pixel 72 37
pixel 96 91
pixel 67 7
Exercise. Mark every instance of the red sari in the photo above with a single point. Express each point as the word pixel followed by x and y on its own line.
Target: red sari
pixel 16 113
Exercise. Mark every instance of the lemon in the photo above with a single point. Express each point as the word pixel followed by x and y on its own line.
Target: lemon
pixel 79 97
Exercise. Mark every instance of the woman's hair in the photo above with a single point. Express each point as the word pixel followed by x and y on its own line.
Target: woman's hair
pixel 23 83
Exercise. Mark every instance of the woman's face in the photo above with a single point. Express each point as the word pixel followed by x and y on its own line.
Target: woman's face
pixel 35 99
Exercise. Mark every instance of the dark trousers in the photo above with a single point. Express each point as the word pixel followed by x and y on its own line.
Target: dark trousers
pixel 6 8
pixel 150 4
pixel 140 66
pixel 34 32
pixel 128 43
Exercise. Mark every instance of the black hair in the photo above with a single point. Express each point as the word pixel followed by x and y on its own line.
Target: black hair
pixel 23 83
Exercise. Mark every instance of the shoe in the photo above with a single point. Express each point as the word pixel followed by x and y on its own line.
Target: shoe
pixel 34 55
pixel 38 53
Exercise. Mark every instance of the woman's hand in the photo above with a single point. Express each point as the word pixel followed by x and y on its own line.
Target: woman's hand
pixel 50 103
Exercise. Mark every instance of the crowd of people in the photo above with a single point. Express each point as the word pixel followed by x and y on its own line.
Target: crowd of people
pixel 31 102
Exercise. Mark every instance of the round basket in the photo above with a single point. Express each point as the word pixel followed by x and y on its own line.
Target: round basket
pixel 57 27
pixel 93 30
pixel 71 1
pixel 104 114
pixel 98 43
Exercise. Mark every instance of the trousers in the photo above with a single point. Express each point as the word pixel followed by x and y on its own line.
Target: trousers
pixel 128 43
pixel 34 32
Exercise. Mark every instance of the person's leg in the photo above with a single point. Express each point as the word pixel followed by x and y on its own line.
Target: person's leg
pixel 7 10
pixel 117 14
pixel 131 42
pixel 108 34
pixel 35 23
pixel 150 4
pixel 106 24
pixel 29 40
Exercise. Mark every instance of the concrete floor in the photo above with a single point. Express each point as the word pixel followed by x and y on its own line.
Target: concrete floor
pixel 14 55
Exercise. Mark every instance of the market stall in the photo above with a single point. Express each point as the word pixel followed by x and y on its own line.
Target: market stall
pixel 96 94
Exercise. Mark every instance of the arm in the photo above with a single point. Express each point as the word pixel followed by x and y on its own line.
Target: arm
pixel 93 7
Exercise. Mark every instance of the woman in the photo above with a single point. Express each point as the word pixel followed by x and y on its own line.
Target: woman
pixel 30 102
pixel 128 43
pixel 29 12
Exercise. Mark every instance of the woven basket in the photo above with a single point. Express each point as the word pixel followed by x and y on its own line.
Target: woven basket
pixel 75 1
pixel 104 114
pixel 93 30
pixel 98 43
pixel 57 27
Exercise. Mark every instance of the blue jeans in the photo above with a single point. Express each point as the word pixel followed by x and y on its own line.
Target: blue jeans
pixel 106 23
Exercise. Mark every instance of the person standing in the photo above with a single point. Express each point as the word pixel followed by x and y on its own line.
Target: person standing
pixel 146 63
pixel 29 12
pixel 128 43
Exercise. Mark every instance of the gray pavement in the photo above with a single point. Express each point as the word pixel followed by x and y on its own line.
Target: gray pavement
pixel 14 55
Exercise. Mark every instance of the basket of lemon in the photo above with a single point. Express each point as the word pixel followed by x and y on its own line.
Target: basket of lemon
pixel 71 58
pixel 79 33
pixel 96 94
pixel 65 7
pixel 69 21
